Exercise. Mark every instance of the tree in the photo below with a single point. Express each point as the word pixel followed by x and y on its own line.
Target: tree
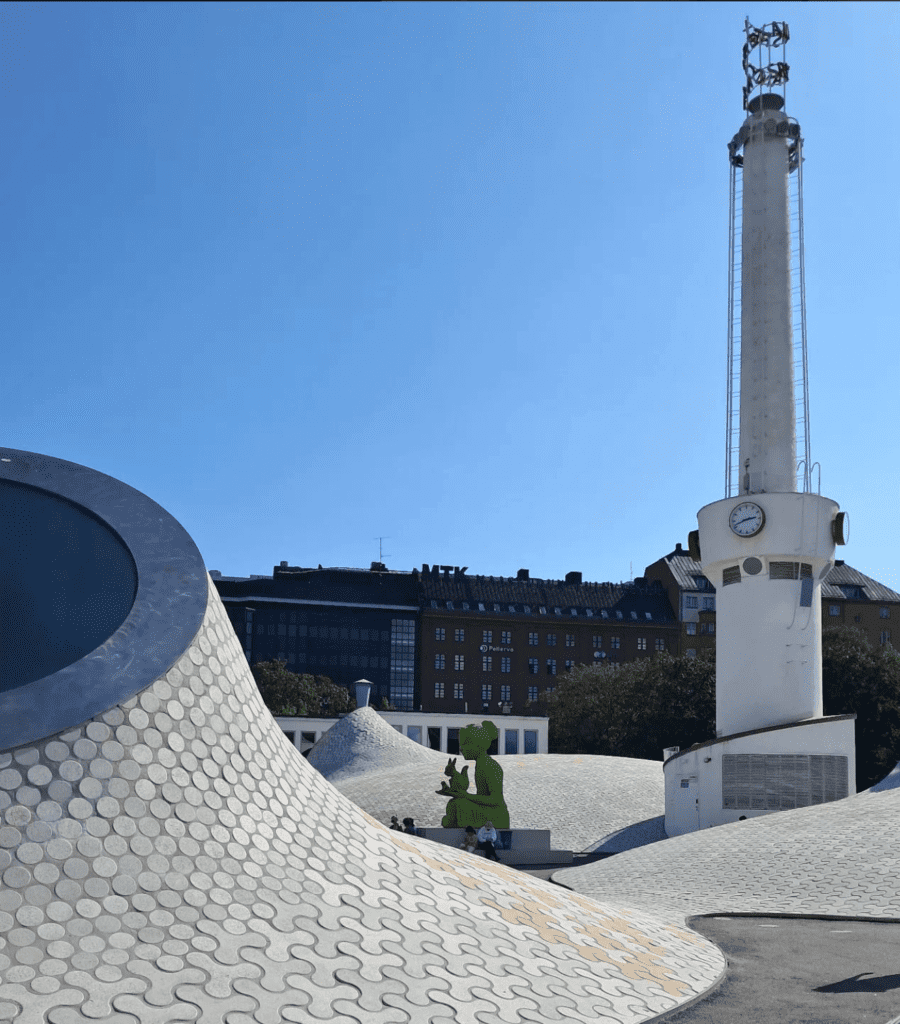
pixel 859 678
pixel 302 696
pixel 643 706
pixel 635 709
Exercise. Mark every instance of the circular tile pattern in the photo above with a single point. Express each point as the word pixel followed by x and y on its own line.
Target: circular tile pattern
pixel 179 832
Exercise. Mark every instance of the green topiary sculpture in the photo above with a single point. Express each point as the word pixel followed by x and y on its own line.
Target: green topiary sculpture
pixel 486 803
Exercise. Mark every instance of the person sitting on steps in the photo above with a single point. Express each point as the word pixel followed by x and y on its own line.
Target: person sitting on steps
pixel 487 837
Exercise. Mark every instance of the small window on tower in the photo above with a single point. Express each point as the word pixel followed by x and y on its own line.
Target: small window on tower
pixel 731 575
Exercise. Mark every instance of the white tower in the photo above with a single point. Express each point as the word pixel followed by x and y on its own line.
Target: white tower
pixel 768 545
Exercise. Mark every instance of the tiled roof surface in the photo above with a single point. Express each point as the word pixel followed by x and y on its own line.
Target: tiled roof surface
pixel 846 574
pixel 685 569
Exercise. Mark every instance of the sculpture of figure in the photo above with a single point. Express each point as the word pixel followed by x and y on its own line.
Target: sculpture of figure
pixel 487 801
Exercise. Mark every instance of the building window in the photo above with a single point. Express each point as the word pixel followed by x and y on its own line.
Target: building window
pixel 884 613
pixel 512 741
pixel 531 741
pixel 533 666
pixel 487 636
pixel 439 689
pixel 414 732
pixel 834 609
pixel 691 653
pixel 709 604
pixel 504 693
pixel 690 602
pixel 711 628
pixel 402 662
pixel 532 639
pixel 486 691
pixel 458 691
pixel 505 636
pixel 885 637
pixel 570 665
pixel 642 643
pixel 440 633
pixel 440 661
pixel 691 628
pixel 615 643
pixel 570 639
pixel 551 666
pixel 532 693
pixel 551 639
pixel 459 662
pixel 506 664
pixel 660 644
pixel 487 663
pixel 550 689
pixel 459 635
pixel 597 641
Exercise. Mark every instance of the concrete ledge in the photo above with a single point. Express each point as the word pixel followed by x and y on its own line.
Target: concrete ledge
pixel 520 845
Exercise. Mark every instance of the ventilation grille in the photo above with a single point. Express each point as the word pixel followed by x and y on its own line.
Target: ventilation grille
pixel 778 782
pixel 789 571
pixel 731 575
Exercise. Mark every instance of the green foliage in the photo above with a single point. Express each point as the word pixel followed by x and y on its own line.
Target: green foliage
pixel 386 705
pixel 302 696
pixel 634 710
pixel 643 706
pixel 859 678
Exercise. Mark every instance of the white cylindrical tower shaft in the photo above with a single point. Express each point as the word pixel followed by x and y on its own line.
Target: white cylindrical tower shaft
pixel 768 432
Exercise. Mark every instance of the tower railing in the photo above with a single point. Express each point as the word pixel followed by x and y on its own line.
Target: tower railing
pixel 733 389
pixel 766 74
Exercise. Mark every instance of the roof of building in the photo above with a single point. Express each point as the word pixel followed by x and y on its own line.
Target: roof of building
pixel 688 574
pixel 482 593
pixel 332 585
pixel 839 583
pixel 449 588
pixel 843 575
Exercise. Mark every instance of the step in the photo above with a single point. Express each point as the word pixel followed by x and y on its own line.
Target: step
pixel 517 858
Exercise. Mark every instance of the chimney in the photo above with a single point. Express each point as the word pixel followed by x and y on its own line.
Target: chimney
pixel 522 574
pixel 573 577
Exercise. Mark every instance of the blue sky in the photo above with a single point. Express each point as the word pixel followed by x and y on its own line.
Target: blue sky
pixel 453 274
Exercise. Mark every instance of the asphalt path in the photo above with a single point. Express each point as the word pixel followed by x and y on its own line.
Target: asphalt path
pixel 784 970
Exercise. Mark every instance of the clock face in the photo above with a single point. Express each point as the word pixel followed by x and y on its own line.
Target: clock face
pixel 746 519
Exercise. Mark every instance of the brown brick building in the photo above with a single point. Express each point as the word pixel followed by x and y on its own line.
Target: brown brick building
pixel 497 643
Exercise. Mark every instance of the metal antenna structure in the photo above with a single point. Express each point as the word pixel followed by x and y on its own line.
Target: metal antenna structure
pixel 765 71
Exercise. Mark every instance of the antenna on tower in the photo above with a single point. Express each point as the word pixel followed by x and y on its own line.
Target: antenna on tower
pixel 380 539
pixel 767 73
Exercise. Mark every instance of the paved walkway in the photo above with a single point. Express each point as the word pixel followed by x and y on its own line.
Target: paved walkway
pixel 836 859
